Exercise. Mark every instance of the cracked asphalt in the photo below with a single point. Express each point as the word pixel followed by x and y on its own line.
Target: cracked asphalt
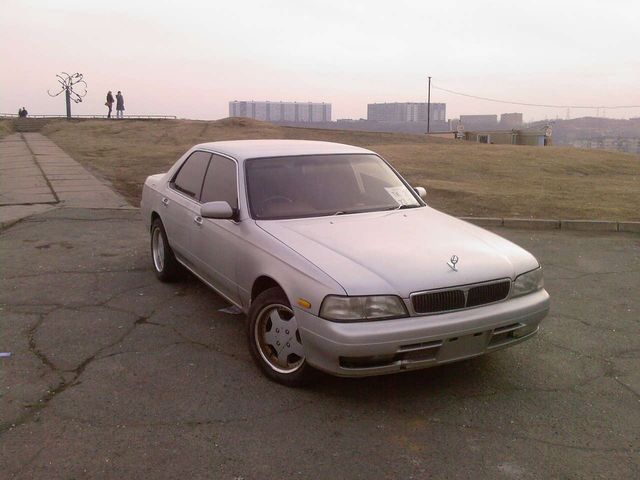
pixel 113 374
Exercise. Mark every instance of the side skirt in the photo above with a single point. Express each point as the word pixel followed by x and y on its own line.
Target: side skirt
pixel 208 284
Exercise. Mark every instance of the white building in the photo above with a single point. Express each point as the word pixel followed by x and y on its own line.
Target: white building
pixel 406 112
pixel 281 111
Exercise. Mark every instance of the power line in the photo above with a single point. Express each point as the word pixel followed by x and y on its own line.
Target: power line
pixel 533 104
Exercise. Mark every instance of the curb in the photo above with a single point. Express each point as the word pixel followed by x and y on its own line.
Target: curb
pixel 550 224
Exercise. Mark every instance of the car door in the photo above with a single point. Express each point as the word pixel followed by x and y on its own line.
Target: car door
pixel 181 212
pixel 218 240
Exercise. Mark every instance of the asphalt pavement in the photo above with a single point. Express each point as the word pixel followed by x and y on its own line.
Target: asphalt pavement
pixel 112 374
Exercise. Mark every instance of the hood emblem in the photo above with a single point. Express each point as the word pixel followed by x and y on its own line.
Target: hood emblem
pixel 452 263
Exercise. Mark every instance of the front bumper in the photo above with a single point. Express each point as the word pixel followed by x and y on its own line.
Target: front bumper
pixel 388 346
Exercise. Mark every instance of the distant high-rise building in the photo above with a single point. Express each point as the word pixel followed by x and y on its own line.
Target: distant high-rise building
pixel 479 122
pixel 510 121
pixel 281 111
pixel 406 112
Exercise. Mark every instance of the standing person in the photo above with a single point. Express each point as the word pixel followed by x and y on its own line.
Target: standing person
pixel 23 113
pixel 109 103
pixel 119 105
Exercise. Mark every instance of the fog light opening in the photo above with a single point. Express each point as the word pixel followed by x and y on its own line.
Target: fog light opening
pixel 524 331
pixel 366 362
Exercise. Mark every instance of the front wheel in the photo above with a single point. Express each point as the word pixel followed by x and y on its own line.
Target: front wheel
pixel 164 262
pixel 274 339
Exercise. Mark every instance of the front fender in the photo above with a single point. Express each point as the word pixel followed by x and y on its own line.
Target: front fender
pixel 298 277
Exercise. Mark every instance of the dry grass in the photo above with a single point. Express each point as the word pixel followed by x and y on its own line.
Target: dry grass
pixel 461 178
pixel 6 127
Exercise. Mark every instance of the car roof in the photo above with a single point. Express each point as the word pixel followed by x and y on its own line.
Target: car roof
pixel 244 149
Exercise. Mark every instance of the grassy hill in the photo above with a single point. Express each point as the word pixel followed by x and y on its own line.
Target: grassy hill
pixel 6 127
pixel 461 178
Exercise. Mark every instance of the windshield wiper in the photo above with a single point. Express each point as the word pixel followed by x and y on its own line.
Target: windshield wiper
pixel 346 212
pixel 402 207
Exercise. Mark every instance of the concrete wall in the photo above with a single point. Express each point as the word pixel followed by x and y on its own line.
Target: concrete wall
pixel 506 138
pixel 500 138
pixel 510 137
pixel 533 139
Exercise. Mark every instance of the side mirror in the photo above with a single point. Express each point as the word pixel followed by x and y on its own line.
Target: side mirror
pixel 421 191
pixel 220 210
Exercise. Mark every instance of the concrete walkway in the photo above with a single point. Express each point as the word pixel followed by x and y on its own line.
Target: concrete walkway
pixel 36 175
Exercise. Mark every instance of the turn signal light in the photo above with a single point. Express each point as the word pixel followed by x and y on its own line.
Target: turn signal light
pixel 304 303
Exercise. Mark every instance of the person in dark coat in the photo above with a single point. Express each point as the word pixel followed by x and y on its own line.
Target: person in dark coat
pixel 22 113
pixel 119 105
pixel 109 103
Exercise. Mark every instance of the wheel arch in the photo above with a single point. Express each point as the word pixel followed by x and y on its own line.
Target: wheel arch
pixel 262 283
pixel 154 215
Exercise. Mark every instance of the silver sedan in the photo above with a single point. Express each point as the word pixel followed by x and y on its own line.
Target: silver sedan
pixel 337 261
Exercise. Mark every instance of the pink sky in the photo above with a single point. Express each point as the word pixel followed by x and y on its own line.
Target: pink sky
pixel 190 58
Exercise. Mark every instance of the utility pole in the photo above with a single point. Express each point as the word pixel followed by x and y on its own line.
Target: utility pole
pixel 429 107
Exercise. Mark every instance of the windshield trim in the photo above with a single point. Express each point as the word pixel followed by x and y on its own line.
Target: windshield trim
pixel 421 203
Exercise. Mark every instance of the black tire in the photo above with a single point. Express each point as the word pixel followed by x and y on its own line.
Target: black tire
pixel 165 265
pixel 294 374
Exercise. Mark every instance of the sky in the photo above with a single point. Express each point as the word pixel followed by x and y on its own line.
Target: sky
pixel 189 58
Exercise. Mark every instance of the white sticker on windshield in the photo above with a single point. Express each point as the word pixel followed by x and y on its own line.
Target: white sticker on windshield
pixel 401 195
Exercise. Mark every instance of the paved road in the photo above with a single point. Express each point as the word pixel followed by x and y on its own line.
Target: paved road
pixel 115 375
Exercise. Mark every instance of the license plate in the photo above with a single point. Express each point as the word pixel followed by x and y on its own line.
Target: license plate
pixel 463 346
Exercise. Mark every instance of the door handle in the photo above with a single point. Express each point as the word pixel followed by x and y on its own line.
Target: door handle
pixel 197 220
pixel 165 201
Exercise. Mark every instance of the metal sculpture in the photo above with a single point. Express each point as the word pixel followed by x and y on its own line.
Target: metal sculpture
pixel 68 83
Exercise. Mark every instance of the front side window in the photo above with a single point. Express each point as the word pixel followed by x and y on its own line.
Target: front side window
pixel 191 175
pixel 318 185
pixel 220 183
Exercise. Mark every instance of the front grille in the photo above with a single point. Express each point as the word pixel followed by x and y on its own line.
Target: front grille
pixel 458 298
pixel 483 294
pixel 438 301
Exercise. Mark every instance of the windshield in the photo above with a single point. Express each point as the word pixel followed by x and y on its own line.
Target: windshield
pixel 318 185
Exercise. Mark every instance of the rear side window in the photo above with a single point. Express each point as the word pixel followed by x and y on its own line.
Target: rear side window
pixel 220 182
pixel 191 175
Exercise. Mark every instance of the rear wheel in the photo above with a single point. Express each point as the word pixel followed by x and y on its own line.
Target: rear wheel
pixel 274 339
pixel 164 262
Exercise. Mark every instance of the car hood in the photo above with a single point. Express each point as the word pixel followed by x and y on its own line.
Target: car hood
pixel 400 252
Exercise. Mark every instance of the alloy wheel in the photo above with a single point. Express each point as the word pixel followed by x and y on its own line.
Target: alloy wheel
pixel 157 246
pixel 278 339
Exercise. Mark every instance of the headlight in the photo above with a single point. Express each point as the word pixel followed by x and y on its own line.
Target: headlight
pixel 359 309
pixel 527 283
